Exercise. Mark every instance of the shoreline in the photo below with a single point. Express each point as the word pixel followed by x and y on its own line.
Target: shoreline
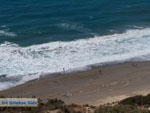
pixel 95 87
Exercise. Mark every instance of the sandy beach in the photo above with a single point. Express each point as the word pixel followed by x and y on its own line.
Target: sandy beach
pixel 95 87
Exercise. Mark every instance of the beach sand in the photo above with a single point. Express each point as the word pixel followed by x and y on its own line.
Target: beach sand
pixel 93 87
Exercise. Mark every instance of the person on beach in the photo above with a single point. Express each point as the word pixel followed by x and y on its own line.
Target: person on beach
pixel 100 72
pixel 63 70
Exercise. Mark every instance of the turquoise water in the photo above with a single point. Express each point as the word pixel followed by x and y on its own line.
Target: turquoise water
pixel 42 36
pixel 42 21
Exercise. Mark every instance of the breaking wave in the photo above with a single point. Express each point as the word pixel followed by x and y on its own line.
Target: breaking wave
pixel 31 62
pixel 6 33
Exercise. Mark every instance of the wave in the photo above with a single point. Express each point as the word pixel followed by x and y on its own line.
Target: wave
pixel 6 33
pixel 31 62
pixel 75 27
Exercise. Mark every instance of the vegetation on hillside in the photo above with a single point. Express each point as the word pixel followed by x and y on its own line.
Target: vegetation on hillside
pixel 121 109
pixel 137 101
pixel 137 104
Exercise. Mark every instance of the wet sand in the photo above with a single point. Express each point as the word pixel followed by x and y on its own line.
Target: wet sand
pixel 95 87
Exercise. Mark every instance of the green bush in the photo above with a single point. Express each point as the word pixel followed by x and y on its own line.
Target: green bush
pixel 54 104
pixel 137 100
pixel 121 109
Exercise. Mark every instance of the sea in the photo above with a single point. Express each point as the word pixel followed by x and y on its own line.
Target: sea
pixel 43 37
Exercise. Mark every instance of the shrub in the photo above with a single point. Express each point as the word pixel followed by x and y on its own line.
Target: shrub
pixel 73 109
pixel 137 100
pixel 120 109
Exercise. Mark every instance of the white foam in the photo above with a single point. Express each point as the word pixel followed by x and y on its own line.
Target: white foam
pixel 30 62
pixel 6 33
pixel 5 85
pixel 3 26
pixel 73 26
